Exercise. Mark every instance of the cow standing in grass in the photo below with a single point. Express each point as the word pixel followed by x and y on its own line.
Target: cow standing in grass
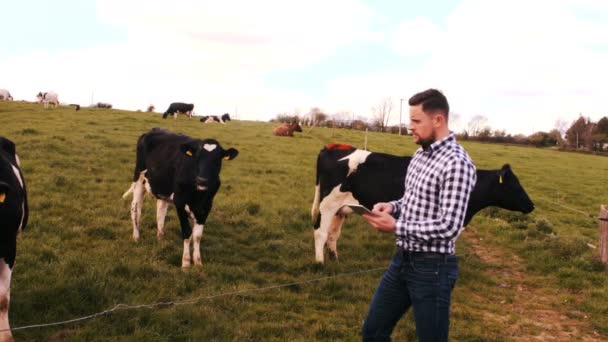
pixel 286 130
pixel 347 175
pixel 179 108
pixel 48 98
pixel 13 218
pixel 183 170
pixel 5 95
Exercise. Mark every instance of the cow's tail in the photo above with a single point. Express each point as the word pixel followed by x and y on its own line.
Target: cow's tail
pixel 130 191
pixel 314 211
pixel 132 188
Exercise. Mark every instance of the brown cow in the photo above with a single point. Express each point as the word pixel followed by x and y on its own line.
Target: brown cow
pixel 286 130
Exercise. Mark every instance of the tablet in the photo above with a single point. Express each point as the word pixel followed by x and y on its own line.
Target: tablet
pixel 359 209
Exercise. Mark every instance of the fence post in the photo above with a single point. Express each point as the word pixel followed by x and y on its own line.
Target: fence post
pixel 604 234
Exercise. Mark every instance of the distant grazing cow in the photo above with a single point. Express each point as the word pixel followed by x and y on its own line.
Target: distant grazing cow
pixel 75 105
pixel 103 105
pixel 286 130
pixel 13 219
pixel 347 175
pixel 179 108
pixel 5 95
pixel 48 98
pixel 215 118
pixel 179 169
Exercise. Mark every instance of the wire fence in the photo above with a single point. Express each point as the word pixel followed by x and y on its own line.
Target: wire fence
pixel 121 307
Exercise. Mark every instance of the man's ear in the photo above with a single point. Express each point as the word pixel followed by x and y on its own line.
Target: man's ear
pixel 230 153
pixel 189 149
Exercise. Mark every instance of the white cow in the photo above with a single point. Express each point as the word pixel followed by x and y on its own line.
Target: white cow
pixel 5 95
pixel 48 98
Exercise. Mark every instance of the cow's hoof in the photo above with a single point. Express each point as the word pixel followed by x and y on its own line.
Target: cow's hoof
pixel 332 255
pixel 160 235
pixel 136 238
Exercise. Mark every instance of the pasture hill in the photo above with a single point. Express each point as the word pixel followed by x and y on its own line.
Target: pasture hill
pixel 522 277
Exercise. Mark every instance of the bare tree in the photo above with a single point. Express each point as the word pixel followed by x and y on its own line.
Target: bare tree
pixel 317 116
pixel 561 126
pixel 477 124
pixel 382 113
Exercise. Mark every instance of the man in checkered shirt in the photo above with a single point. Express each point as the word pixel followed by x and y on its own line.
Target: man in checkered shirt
pixel 426 223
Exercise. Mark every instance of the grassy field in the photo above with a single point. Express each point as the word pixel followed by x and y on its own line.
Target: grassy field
pixel 77 257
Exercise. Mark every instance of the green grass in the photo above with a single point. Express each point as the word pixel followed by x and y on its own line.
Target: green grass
pixel 77 256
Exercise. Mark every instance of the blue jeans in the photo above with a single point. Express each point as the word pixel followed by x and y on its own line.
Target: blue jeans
pixel 423 280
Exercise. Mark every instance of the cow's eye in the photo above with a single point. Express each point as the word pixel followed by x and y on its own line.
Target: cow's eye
pixel 2 197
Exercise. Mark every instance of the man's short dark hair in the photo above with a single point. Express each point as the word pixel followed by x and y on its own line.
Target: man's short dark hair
pixel 432 100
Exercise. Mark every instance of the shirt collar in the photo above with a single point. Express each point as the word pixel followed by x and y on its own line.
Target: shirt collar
pixel 437 145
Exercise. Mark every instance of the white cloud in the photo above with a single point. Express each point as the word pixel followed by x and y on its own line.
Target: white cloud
pixel 207 52
pixel 521 64
pixel 417 37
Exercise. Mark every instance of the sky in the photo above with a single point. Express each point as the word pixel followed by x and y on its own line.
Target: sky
pixel 521 64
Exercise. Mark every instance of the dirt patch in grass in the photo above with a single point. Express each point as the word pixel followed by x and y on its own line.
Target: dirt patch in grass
pixel 531 307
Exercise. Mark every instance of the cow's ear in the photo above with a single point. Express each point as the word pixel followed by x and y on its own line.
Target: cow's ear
pixel 503 172
pixel 189 149
pixel 230 153
pixel 7 146
pixel 4 188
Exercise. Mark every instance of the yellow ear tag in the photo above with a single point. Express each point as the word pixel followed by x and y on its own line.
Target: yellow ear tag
pixel 2 197
pixel 500 179
pixel 227 158
pixel 189 153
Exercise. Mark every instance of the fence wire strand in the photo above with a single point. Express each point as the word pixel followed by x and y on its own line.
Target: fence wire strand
pixel 238 292
pixel 191 300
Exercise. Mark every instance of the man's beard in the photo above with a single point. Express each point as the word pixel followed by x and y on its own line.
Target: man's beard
pixel 428 141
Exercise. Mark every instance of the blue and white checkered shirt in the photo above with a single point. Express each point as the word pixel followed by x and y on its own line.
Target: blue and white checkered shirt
pixel 439 181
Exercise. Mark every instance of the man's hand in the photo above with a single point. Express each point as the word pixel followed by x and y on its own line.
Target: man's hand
pixel 383 207
pixel 381 221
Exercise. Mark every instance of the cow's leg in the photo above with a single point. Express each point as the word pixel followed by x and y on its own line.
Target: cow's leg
pixel 136 204
pixel 330 224
pixel 334 235
pixel 5 295
pixel 321 235
pixel 197 234
pixel 161 213
pixel 182 214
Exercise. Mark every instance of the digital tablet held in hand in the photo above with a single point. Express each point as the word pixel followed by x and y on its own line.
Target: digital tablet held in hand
pixel 359 209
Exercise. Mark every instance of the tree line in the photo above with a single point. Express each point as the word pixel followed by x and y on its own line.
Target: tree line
pixel 582 134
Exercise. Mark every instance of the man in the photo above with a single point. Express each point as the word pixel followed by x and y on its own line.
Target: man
pixel 426 223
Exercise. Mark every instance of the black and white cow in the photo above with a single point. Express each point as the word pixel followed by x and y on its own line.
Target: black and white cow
pixel 13 218
pixel 180 169
pixel 215 118
pixel 179 108
pixel 347 175
pixel 47 98
pixel 5 95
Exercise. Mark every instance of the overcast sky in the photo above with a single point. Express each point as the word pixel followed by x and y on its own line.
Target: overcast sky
pixel 521 64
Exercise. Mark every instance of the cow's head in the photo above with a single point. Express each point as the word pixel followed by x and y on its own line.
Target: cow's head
pixel 40 96
pixel 226 117
pixel 297 127
pixel 511 195
pixel 206 156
